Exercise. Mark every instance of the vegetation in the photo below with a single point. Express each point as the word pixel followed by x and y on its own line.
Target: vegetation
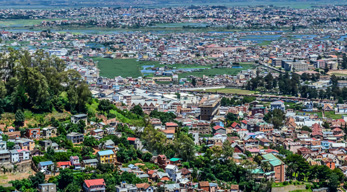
pixel 39 83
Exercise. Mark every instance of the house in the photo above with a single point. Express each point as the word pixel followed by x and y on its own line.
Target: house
pixel 24 154
pixel 144 187
pixel 75 161
pixel 124 187
pixel 44 165
pixel 14 156
pixel 25 144
pixel 32 133
pixel 219 130
pixel 277 166
pixel 5 156
pixel 94 185
pixel 172 170
pixel 75 137
pixel 76 118
pixel 277 105
pixel 171 125
pixel 98 132
pixel 48 132
pixel 63 164
pixel 106 156
pixel 90 163
pixel 47 187
pixel 136 142
pixel 204 186
pixel 234 188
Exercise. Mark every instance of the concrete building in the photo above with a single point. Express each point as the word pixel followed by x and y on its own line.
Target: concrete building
pixel 209 108
pixel 295 65
pixel 277 166
pixel 76 118
pixel 75 137
pixel 47 187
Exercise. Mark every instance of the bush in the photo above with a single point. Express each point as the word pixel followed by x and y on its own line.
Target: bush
pixel 308 186
pixel 285 183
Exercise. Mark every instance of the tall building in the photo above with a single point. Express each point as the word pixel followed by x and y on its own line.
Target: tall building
pixel 209 108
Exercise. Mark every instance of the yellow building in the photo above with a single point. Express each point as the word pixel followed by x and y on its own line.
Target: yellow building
pixel 107 156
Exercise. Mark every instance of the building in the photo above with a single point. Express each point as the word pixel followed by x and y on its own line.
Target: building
pixel 24 154
pixel 14 156
pixel 295 65
pixel 209 108
pixel 25 144
pixel 106 156
pixel 123 187
pixel 5 156
pixel 342 83
pixel 90 163
pixel 277 166
pixel 63 164
pixel 278 105
pixel 48 132
pixel 33 133
pixel 47 187
pixel 94 185
pixel 172 171
pixel 75 137
pixel 76 118
pixel 75 161
pixel 136 142
pixel 44 165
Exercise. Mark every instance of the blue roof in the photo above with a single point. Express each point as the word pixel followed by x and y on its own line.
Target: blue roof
pixel 46 163
pixel 107 152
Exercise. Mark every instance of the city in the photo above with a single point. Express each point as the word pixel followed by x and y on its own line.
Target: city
pixel 208 98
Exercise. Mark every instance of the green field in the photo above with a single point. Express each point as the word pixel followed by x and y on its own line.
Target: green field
pixel 332 115
pixel 218 71
pixel 118 67
pixel 132 68
pixel 22 22
pixel 230 90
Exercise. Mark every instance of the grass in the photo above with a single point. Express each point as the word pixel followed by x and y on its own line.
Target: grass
pixel 230 90
pixel 118 67
pixel 332 115
pixel 22 22
pixel 132 68
pixel 217 71
pixel 265 43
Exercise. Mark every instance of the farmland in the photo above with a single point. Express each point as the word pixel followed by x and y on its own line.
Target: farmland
pixel 118 67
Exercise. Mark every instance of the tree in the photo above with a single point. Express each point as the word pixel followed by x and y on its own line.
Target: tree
pixel 147 157
pixel 185 147
pixel 137 109
pixel 105 106
pixel 265 166
pixel 37 179
pixel 19 118
pixel 81 126
pixel 227 149
pixel 65 178
pixel 305 128
pixel 194 82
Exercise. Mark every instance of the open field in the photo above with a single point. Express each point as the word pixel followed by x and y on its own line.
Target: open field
pixel 338 72
pixel 230 90
pixel 218 71
pixel 21 22
pixel 332 115
pixel 5 178
pixel 132 68
pixel 118 67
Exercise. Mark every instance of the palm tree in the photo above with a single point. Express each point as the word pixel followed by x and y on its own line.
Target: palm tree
pixel 265 166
